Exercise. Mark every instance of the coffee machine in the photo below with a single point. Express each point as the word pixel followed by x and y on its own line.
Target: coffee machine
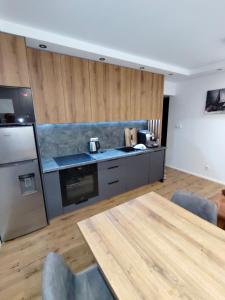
pixel 146 137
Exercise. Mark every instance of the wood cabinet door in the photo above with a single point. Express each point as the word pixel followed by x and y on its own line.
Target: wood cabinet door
pixel 76 87
pixel 135 95
pixel 158 87
pixel 47 88
pixel 118 93
pixel 13 61
pixel 110 92
pixel 146 95
pixel 98 87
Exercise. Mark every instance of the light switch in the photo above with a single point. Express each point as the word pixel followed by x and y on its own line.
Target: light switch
pixel 178 125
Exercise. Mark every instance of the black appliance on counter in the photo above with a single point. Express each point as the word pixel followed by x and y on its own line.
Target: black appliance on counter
pixel 16 106
pixel 79 184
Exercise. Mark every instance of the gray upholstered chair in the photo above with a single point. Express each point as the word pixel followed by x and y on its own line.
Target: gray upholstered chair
pixel 59 283
pixel 197 205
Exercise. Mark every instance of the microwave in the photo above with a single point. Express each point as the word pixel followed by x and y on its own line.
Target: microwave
pixel 16 106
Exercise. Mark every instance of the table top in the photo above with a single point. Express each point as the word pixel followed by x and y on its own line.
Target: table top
pixel 150 248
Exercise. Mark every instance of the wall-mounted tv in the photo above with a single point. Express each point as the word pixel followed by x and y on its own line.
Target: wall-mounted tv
pixel 215 101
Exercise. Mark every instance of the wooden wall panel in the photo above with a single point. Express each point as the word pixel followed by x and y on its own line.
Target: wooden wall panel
pixel 76 87
pixel 13 61
pixel 47 86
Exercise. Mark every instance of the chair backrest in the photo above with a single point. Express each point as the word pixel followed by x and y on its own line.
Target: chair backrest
pixel 57 279
pixel 197 205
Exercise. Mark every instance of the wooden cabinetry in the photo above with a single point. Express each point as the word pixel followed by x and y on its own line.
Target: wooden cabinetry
pixel 118 93
pixel 70 89
pixel 76 89
pixel 146 95
pixel 13 61
pixel 98 87
pixel 110 92
pixel 47 86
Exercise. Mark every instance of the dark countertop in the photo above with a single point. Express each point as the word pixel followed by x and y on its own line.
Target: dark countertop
pixel 49 165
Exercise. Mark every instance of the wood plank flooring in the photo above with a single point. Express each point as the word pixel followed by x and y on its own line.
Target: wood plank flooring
pixel 21 259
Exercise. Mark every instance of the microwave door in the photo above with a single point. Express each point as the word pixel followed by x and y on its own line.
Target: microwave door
pixel 16 105
pixel 17 144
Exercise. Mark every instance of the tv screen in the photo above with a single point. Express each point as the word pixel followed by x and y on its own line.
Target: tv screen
pixel 215 101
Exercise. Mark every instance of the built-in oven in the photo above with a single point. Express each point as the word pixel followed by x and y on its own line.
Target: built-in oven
pixel 16 106
pixel 79 184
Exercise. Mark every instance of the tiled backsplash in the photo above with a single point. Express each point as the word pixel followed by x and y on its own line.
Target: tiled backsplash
pixel 65 139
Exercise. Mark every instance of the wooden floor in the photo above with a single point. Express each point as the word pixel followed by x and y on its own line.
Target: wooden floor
pixel 21 260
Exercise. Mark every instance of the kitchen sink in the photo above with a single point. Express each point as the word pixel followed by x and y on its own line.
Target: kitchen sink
pixel 128 149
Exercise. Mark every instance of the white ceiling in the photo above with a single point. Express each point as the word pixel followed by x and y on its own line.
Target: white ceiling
pixel 184 37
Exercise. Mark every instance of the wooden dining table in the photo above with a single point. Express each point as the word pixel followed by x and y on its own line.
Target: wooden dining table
pixel 150 248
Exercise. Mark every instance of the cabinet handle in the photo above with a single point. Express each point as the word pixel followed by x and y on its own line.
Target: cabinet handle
pixel 114 167
pixel 112 182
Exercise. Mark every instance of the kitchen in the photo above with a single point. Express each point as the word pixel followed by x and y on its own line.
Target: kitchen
pixel 84 177
pixel 75 170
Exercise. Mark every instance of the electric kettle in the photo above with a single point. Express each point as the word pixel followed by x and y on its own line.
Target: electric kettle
pixel 93 145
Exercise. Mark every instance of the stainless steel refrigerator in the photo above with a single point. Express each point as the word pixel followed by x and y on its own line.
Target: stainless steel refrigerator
pixel 22 208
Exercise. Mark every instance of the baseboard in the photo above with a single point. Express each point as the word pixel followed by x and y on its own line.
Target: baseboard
pixel 195 174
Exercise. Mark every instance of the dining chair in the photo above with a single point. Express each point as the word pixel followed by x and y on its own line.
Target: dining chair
pixel 59 283
pixel 197 205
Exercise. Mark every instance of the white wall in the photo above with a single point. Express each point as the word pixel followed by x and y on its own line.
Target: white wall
pixel 169 88
pixel 196 141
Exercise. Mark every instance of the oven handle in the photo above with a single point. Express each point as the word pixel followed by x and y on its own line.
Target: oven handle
pixel 81 201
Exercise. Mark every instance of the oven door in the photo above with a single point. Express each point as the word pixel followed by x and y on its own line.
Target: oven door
pixel 16 106
pixel 79 184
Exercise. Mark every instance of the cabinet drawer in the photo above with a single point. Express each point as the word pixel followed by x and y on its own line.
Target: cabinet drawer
pixel 111 188
pixel 111 164
pixel 106 176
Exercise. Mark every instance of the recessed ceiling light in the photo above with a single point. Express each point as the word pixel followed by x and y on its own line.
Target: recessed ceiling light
pixel 170 74
pixel 102 58
pixel 219 69
pixel 42 46
pixel 142 68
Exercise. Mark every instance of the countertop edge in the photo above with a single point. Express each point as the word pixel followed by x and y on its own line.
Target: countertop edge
pixel 122 155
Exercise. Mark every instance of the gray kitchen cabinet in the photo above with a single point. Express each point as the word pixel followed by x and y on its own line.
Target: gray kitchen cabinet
pixel 111 178
pixel 115 177
pixel 156 165
pixel 52 192
pixel 136 171
pixel 124 174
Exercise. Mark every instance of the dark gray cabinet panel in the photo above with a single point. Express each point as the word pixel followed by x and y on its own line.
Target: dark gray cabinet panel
pixel 114 177
pixel 52 194
pixel 111 188
pixel 136 171
pixel 124 174
pixel 111 165
pixel 111 178
pixel 156 165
